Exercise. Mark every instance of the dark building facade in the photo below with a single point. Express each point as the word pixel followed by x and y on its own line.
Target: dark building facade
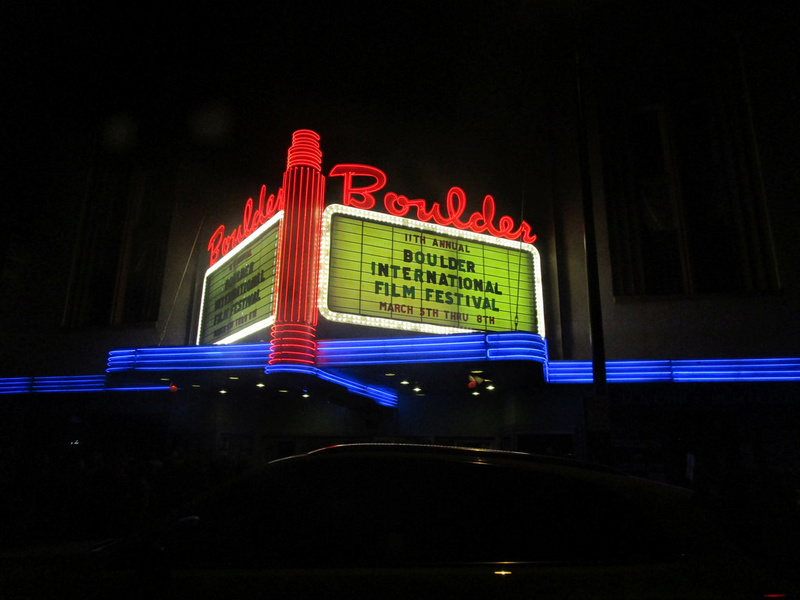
pixel 678 126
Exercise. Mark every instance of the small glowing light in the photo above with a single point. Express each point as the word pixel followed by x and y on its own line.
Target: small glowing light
pixel 502 573
pixel 260 385
pixel 306 395
pixel 389 374
pixel 223 391
pixel 476 393
pixel 233 377
pixel 490 387
pixel 404 382
pixel 283 391
pixel 417 389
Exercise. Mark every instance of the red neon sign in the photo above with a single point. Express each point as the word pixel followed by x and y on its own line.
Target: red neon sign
pixel 363 196
pixel 456 203
pixel 220 244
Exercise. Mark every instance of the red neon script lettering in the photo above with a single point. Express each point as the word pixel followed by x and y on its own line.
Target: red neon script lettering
pixel 220 244
pixel 398 205
pixel 367 200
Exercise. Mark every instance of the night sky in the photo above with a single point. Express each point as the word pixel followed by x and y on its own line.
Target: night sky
pixel 447 89
pixel 435 93
pixel 443 88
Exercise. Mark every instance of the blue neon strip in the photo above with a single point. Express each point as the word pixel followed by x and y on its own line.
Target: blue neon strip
pixel 16 385
pixel 427 349
pixel 443 348
pixel 89 383
pixel 516 346
pixel 404 350
pixel 340 353
pixel 139 388
pixel 764 369
pixel 77 383
pixel 383 396
pixel 234 356
pixel 681 371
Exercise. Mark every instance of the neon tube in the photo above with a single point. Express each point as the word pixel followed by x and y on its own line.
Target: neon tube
pixel 294 329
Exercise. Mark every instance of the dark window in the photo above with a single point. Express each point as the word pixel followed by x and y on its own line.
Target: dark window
pixel 118 255
pixel 685 206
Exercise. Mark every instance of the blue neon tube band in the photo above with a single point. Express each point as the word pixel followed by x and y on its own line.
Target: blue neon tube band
pixel 78 383
pixel 679 371
pixel 383 396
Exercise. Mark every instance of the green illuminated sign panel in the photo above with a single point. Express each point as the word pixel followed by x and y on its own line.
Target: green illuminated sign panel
pixel 238 290
pixel 387 271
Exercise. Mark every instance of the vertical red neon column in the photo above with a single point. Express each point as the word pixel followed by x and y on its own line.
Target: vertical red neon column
pixel 294 330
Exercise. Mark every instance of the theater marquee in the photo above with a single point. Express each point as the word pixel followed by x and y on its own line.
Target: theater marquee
pixel 376 258
pixel 387 271
pixel 238 290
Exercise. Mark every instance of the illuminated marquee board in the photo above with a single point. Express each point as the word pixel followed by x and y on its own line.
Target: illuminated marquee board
pixel 388 271
pixel 238 290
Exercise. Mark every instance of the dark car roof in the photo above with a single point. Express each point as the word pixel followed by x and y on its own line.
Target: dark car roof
pixel 516 464
pixel 447 453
